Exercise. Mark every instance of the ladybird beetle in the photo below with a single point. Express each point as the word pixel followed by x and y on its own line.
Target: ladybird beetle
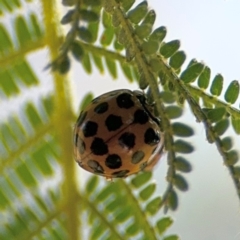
pixel 117 135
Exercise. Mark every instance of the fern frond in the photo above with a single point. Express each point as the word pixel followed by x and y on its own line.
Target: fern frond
pixel 40 195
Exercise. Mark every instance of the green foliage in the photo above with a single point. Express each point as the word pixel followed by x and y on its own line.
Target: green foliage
pixel 36 139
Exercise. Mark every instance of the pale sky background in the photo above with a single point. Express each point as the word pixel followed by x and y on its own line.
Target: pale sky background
pixel 209 32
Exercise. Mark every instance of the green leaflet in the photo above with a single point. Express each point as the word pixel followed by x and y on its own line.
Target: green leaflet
pixel 33 116
pixel 127 4
pixel 86 63
pixel 158 34
pixel 182 130
pixel 25 175
pixel 4 200
pixel 150 18
pixel 174 112
pixel 48 105
pixel 236 124
pixel 147 192
pixel 124 215
pixel 167 97
pixel 9 138
pixel 16 130
pixel 6 43
pixel 168 49
pixel 153 206
pixel 113 205
pixel 24 72
pixel 216 114
pixel 127 71
pixel 143 30
pixel 92 184
pixel 221 126
pixel 107 37
pixel 164 224
pixel 177 60
pixel 77 50
pixel 217 85
pixel 98 230
pixel 40 158
pixel 227 143
pixel 181 164
pixel 180 183
pixel 98 63
pixel 183 147
pixel 8 84
pixel 105 193
pixel 11 5
pixel 93 29
pixel 106 19
pixel 204 78
pixel 232 92
pixel 150 47
pixel 172 200
pixel 138 13
pixel 192 72
pixel 36 26
pixel 232 157
pixel 68 17
pixel 171 237
pixel 85 35
pixel 117 46
pixel 88 16
pixel 112 67
pixel 132 230
pixel 141 179
pixel 22 31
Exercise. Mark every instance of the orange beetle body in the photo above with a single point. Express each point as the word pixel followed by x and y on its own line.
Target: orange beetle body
pixel 117 135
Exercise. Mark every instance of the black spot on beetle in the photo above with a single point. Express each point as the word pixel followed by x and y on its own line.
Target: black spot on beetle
pixel 81 118
pixel 140 116
pixel 151 137
pixel 127 139
pixel 90 129
pixel 120 174
pixel 113 122
pixel 99 147
pixel 113 161
pixel 137 157
pixel 95 166
pixel 101 108
pixel 124 100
